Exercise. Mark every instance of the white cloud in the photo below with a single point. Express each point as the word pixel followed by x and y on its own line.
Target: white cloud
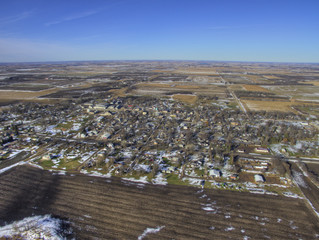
pixel 235 27
pixel 15 18
pixel 71 17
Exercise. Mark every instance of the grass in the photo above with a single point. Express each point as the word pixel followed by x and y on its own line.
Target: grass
pixel 71 164
pixel 174 179
pixel 66 125
pixel 47 164
pixel 232 105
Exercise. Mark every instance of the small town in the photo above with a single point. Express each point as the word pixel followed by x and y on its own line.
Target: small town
pixel 160 141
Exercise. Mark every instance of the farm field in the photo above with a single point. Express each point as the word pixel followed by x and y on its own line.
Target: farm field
pixel 255 88
pixel 23 95
pixel 114 208
pixel 255 105
pixel 190 99
pixel 179 88
pixel 300 92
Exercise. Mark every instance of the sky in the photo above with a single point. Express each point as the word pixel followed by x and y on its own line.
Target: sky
pixel 224 30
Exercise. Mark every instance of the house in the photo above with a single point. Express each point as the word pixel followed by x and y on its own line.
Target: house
pixel 261 150
pixel 259 178
pixel 46 157
pixel 214 173
pixel 234 177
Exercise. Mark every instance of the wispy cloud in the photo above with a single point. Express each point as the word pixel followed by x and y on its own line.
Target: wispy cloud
pixel 233 27
pixel 72 17
pixel 15 18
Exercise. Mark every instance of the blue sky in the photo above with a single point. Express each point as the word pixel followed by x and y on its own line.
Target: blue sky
pixel 230 30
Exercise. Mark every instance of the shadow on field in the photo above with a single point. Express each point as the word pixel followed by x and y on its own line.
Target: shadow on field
pixel 31 193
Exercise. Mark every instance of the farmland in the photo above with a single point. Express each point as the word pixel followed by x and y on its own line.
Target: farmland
pixel 111 208
pixel 162 150
pixel 282 106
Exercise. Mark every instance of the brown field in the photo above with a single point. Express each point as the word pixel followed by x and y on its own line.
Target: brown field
pixel 255 88
pixel 179 88
pixel 197 71
pixel 22 95
pixel 165 85
pixel 257 79
pixel 101 208
pixel 119 92
pixel 298 92
pixel 235 87
pixel 255 105
pixel 271 77
pixel 188 87
pixel 190 99
pixel 315 83
pixel 154 85
pixel 161 71
pixel 6 95
pixel 313 168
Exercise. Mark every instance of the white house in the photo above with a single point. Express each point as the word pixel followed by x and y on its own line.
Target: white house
pixel 259 178
pixel 214 173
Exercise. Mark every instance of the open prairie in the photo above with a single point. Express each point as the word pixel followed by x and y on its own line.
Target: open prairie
pixel 111 208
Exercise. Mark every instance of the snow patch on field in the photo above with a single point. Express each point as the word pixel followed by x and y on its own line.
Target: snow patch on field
pixel 37 227
pixel 15 153
pixel 141 180
pixel 210 208
pixel 149 231
pixel 12 166
pixel 193 181
pixel 159 180
pixel 95 174
pixel 291 195
pixel 35 165
pixel 298 178
pixel 230 228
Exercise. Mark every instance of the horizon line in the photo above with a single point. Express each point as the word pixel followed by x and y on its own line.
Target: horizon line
pixel 154 60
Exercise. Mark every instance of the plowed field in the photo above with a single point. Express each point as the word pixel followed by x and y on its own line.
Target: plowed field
pixel 112 208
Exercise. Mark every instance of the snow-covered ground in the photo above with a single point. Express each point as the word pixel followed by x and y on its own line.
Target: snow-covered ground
pixel 141 180
pixel 149 231
pixel 12 166
pixel 192 181
pixel 36 227
pixel 95 174
pixel 298 178
pixel 159 179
